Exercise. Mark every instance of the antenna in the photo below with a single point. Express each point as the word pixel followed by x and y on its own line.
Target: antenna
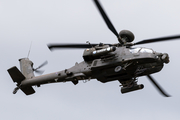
pixel 29 50
pixel 89 43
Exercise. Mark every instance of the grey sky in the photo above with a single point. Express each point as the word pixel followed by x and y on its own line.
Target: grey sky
pixel 78 21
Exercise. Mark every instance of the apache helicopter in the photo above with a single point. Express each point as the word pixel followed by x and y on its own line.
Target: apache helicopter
pixel 104 62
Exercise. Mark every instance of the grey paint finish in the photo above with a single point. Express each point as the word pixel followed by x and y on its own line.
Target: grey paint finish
pixel 122 63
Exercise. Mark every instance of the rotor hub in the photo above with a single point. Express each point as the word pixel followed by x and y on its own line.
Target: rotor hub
pixel 126 36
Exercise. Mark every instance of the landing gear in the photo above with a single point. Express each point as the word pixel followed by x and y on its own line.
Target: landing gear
pixel 16 89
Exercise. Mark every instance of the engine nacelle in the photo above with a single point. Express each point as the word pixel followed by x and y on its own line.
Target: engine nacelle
pixel 92 53
pixel 103 51
pixel 135 87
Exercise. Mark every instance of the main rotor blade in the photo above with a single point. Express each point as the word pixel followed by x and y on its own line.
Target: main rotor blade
pixel 158 39
pixel 157 86
pixel 106 19
pixel 64 46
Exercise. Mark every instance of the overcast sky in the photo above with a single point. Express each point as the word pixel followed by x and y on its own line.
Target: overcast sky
pixel 77 21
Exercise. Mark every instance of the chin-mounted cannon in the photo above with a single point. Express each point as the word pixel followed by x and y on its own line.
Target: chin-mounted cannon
pixel 133 88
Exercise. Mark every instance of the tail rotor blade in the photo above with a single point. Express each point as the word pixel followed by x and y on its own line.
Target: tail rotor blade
pixel 43 64
pixel 40 71
pixel 157 86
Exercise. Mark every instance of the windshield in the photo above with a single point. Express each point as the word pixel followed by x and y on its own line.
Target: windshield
pixel 145 50
pixel 142 50
pixel 134 50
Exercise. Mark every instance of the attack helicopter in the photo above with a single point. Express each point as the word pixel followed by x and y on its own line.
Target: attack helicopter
pixel 104 62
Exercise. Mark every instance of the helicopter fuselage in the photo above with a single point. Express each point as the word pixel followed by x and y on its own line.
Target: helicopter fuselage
pixel 122 64
pixel 104 62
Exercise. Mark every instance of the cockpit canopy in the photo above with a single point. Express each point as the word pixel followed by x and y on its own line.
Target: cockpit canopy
pixel 141 50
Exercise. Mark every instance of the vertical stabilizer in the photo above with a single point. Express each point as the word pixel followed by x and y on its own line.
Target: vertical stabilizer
pixel 26 72
pixel 18 77
pixel 26 67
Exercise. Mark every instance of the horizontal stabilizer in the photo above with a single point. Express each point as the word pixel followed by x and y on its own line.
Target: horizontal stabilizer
pixel 28 90
pixel 16 75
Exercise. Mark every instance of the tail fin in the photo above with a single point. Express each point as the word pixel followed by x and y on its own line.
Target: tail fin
pixel 26 73
pixel 26 67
